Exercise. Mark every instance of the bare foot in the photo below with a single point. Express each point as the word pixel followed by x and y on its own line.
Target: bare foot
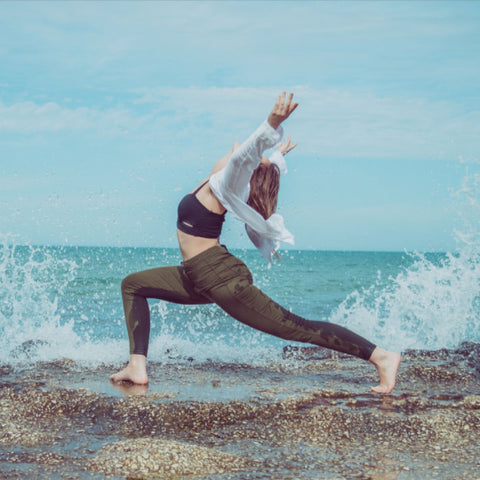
pixel 135 371
pixel 129 388
pixel 387 365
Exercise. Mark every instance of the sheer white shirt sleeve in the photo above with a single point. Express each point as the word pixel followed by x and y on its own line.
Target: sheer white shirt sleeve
pixel 231 186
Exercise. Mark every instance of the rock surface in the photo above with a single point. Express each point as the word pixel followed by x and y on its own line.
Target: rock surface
pixel 310 416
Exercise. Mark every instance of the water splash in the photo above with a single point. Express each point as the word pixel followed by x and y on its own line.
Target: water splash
pixel 433 303
pixel 64 303
pixel 57 304
pixel 206 333
pixel 31 281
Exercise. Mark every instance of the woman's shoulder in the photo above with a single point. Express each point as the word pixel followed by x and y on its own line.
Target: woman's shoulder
pixel 219 164
pixel 222 162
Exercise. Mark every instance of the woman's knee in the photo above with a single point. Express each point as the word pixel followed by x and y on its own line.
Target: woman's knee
pixel 129 284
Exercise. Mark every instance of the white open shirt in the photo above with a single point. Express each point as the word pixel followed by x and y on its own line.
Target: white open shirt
pixel 231 186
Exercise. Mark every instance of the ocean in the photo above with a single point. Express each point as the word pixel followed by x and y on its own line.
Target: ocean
pixel 65 303
pixel 228 402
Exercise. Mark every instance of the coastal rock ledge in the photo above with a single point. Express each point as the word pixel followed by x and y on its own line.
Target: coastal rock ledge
pixel 163 459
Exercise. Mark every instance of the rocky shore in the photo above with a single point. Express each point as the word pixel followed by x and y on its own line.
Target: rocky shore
pixel 309 416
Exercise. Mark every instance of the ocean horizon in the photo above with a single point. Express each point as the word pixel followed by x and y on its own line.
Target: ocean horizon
pixel 64 302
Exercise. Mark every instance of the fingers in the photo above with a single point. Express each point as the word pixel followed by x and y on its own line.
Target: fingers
pixel 289 101
pixel 290 148
pixel 291 106
pixel 286 147
pixel 285 108
pixel 282 109
pixel 280 101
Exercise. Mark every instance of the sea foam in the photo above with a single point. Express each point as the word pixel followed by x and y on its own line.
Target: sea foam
pixel 31 281
pixel 433 303
pixel 56 304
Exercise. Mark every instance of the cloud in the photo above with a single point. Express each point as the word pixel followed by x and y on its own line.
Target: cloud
pixel 329 122
pixel 29 117
pixel 357 124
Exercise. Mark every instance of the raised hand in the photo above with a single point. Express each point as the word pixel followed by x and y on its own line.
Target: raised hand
pixel 282 109
pixel 284 148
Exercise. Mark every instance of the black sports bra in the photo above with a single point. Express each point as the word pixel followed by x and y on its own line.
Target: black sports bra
pixel 196 219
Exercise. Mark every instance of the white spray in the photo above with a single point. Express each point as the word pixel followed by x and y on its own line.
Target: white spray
pixel 435 302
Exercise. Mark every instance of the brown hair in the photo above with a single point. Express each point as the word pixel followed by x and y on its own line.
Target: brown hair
pixel 264 186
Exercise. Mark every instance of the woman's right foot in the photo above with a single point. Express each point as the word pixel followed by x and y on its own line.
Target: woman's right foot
pixel 387 364
pixel 130 389
pixel 135 371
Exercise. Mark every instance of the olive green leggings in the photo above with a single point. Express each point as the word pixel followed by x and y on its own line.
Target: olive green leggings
pixel 216 276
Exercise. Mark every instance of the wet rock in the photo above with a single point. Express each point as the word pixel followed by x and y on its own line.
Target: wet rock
pixel 472 401
pixel 471 351
pixel 163 459
pixel 5 370
pixel 467 348
pixel 16 433
pixel 434 373
pixel 440 354
pixel 282 420
pixel 28 348
pixel 306 353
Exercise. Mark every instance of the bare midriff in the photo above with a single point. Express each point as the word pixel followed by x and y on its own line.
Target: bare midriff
pixel 190 245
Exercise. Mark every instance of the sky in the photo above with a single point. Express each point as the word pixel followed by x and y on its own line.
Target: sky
pixel 111 111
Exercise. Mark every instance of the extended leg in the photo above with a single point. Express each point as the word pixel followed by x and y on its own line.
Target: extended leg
pixel 251 306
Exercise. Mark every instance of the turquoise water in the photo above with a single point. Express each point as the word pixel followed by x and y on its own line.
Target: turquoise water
pixel 64 302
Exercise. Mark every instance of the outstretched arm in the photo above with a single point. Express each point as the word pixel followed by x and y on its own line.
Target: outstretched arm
pixel 249 155
pixel 282 109
pixel 280 112
pixel 235 177
pixel 278 156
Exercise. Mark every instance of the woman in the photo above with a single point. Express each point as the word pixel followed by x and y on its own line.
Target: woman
pixel 245 184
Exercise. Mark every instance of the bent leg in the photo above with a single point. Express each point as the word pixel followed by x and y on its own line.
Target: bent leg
pixel 164 283
pixel 251 306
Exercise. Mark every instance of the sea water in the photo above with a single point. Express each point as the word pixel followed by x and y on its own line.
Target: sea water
pixel 65 302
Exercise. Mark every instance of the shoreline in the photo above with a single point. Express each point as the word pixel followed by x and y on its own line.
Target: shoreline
pixel 309 416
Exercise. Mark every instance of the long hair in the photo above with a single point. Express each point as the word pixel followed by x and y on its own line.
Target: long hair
pixel 264 186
